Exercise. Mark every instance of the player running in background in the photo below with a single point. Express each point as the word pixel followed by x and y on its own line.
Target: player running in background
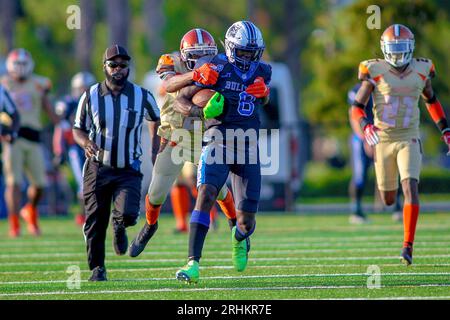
pixel 9 126
pixel 64 145
pixel 30 94
pixel 242 88
pixel 396 83
pixel 177 71
pixel 361 160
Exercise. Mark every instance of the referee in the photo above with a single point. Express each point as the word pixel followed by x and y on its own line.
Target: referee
pixel 108 126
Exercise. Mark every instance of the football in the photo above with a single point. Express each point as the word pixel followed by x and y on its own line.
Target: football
pixel 202 97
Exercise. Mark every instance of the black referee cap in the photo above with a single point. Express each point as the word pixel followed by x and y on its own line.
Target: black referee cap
pixel 115 51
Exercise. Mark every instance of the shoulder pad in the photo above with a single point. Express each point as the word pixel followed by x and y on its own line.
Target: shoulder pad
pixel 425 67
pixel 266 70
pixel 265 66
pixel 165 63
pixel 42 83
pixel 222 57
pixel 370 69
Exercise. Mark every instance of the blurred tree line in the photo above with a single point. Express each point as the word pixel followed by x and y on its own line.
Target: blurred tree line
pixel 322 41
pixel 147 28
pixel 341 40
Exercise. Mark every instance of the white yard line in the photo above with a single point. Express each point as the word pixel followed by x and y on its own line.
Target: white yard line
pixel 259 244
pixel 181 252
pixel 320 275
pixel 95 292
pixel 392 298
pixel 289 266
pixel 134 261
pixel 6 242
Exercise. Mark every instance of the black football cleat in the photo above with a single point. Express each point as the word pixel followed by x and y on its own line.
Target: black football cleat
pixel 406 256
pixel 98 274
pixel 120 239
pixel 141 240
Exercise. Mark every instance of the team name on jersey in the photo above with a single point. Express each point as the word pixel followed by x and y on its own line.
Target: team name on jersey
pixel 235 86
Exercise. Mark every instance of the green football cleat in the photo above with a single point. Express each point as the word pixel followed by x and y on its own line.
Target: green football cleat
pixel 189 273
pixel 240 252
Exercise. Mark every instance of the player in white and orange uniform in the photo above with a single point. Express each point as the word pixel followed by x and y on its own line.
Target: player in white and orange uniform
pixel 176 71
pixel 396 83
pixel 30 94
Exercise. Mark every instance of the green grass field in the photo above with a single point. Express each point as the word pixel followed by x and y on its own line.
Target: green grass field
pixel 292 257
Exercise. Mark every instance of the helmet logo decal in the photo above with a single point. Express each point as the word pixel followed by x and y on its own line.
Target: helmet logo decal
pixel 233 31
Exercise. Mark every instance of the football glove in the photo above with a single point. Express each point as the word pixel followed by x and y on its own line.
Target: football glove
pixel 371 135
pixel 258 88
pixel 446 138
pixel 214 107
pixel 206 74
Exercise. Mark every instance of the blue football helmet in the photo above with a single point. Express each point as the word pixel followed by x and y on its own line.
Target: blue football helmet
pixel 244 44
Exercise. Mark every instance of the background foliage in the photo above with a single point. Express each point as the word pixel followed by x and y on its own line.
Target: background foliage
pixel 341 40
pixel 322 41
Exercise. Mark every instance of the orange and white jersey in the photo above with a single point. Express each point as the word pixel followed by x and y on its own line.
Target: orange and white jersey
pixel 27 96
pixel 396 96
pixel 170 120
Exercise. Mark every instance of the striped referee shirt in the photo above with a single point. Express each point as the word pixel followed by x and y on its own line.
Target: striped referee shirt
pixel 6 103
pixel 114 123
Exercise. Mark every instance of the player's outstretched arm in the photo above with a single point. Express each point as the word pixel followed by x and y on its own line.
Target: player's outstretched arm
pixel 174 83
pixel 205 75
pixel 49 109
pixel 436 112
pixel 359 116
pixel 183 103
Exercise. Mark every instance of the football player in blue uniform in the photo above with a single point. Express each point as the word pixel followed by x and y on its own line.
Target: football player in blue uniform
pixel 64 145
pixel 361 160
pixel 230 140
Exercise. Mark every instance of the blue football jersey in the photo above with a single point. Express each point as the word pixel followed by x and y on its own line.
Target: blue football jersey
pixel 241 110
pixel 70 107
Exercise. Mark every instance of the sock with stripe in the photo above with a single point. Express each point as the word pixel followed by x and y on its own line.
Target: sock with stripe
pixel 240 235
pixel 228 208
pixel 213 214
pixel 410 217
pixel 199 227
pixel 151 211
pixel 179 196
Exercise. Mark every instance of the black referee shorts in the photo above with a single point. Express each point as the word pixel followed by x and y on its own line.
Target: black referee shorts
pixel 103 185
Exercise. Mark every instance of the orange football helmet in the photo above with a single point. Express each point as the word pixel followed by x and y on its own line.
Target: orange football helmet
pixel 19 63
pixel 397 44
pixel 195 44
